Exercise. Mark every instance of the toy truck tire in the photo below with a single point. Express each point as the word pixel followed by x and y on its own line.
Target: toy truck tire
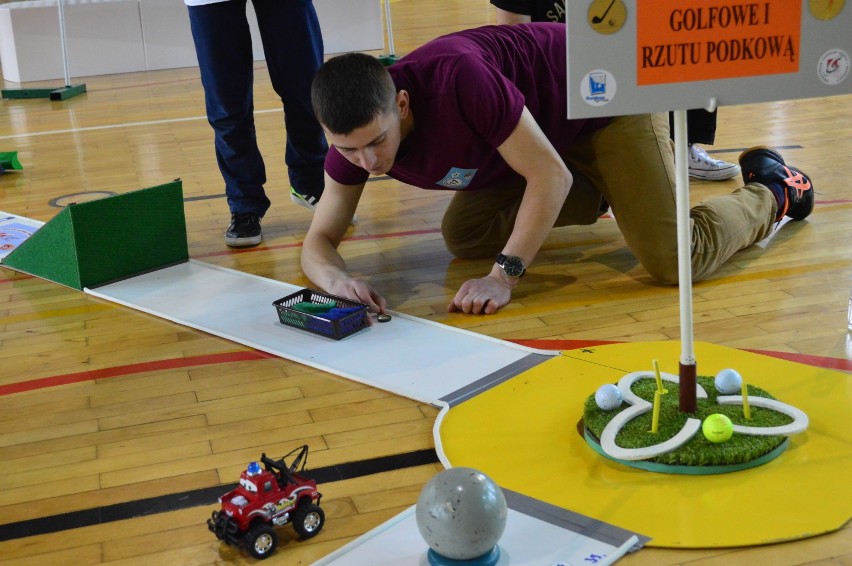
pixel 308 520
pixel 261 541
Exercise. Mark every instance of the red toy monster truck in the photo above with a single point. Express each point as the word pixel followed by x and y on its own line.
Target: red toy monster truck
pixel 266 498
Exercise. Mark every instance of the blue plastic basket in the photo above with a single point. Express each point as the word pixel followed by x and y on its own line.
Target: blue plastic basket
pixel 336 329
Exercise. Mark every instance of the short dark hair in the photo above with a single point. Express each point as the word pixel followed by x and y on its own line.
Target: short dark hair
pixel 350 90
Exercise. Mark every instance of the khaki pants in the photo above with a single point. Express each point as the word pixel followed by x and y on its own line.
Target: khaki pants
pixel 631 164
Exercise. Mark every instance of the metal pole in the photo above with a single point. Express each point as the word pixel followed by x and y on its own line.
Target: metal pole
pixel 391 50
pixel 684 255
pixel 62 38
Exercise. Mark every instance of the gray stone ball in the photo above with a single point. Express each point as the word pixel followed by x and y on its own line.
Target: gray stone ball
pixel 461 513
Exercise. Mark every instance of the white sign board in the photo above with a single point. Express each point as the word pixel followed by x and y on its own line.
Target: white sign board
pixel 638 56
pixel 14 230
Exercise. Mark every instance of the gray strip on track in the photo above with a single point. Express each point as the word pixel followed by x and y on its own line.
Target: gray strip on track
pixel 569 520
pixel 496 378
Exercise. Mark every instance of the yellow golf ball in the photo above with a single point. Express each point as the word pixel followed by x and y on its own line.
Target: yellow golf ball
pixel 717 428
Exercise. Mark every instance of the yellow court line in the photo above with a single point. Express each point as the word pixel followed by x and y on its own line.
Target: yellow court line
pixel 610 296
pixel 779 272
pixel 54 313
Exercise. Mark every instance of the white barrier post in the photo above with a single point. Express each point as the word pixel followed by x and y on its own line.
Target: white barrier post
pixel 68 90
pixel 391 57
pixel 684 259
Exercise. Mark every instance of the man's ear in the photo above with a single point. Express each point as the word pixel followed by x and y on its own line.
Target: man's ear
pixel 402 103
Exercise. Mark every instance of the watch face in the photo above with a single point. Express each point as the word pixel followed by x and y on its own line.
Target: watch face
pixel 513 266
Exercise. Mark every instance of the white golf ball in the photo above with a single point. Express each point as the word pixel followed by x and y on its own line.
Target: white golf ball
pixel 728 381
pixel 608 397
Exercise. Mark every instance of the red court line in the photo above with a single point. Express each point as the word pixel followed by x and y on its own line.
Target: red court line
pixel 250 355
pixel 21 278
pixel 299 244
pixel 816 361
pixel 393 235
pixel 562 344
pixel 174 363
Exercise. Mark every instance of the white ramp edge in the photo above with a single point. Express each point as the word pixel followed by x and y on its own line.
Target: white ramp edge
pixel 536 535
pixel 408 356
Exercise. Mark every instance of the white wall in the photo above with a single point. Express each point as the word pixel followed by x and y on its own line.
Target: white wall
pixel 119 36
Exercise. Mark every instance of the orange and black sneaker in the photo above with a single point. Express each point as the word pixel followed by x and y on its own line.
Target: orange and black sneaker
pixel 793 190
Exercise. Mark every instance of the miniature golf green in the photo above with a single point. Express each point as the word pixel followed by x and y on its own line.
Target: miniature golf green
pixel 737 452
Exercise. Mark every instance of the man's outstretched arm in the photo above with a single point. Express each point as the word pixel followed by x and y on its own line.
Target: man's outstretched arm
pixel 532 156
pixel 321 261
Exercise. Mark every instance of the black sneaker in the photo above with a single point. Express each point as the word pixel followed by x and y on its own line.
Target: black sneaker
pixel 793 190
pixel 244 230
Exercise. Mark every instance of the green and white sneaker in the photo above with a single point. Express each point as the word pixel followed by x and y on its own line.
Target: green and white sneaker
pixel 305 201
pixel 310 202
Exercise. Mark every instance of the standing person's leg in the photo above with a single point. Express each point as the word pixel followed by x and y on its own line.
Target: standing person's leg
pixel 701 129
pixel 643 199
pixel 223 47
pixel 292 42
pixel 700 126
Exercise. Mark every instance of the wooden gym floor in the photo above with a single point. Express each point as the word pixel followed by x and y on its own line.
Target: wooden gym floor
pixel 102 406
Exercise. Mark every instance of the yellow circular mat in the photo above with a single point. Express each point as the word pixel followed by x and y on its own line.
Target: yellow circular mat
pixel 523 433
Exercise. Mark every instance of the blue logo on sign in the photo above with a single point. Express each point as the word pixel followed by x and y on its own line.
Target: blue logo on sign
pixel 597 83
pixel 457 178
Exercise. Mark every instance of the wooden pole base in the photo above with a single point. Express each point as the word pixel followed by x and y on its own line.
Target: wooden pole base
pixel 688 401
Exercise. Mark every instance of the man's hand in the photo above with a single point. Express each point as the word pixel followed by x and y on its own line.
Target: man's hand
pixel 534 158
pixel 481 296
pixel 361 291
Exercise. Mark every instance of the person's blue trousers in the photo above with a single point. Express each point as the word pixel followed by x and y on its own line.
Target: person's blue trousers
pixel 292 43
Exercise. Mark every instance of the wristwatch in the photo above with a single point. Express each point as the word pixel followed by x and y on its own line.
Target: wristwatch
pixel 512 265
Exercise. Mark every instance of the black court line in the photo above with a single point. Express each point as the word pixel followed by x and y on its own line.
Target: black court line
pixel 709 149
pixel 203 197
pixel 203 496
pixel 54 204
pixel 209 197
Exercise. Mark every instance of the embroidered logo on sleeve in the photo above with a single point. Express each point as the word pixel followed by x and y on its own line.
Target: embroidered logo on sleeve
pixel 457 178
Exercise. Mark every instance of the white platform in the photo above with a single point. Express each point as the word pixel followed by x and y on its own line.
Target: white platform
pixel 408 356
pixel 531 538
pixel 121 36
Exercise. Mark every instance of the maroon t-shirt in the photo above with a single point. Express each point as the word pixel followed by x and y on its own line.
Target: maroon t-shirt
pixel 467 91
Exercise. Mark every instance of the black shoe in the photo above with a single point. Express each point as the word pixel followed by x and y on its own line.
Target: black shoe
pixel 244 230
pixel 793 190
